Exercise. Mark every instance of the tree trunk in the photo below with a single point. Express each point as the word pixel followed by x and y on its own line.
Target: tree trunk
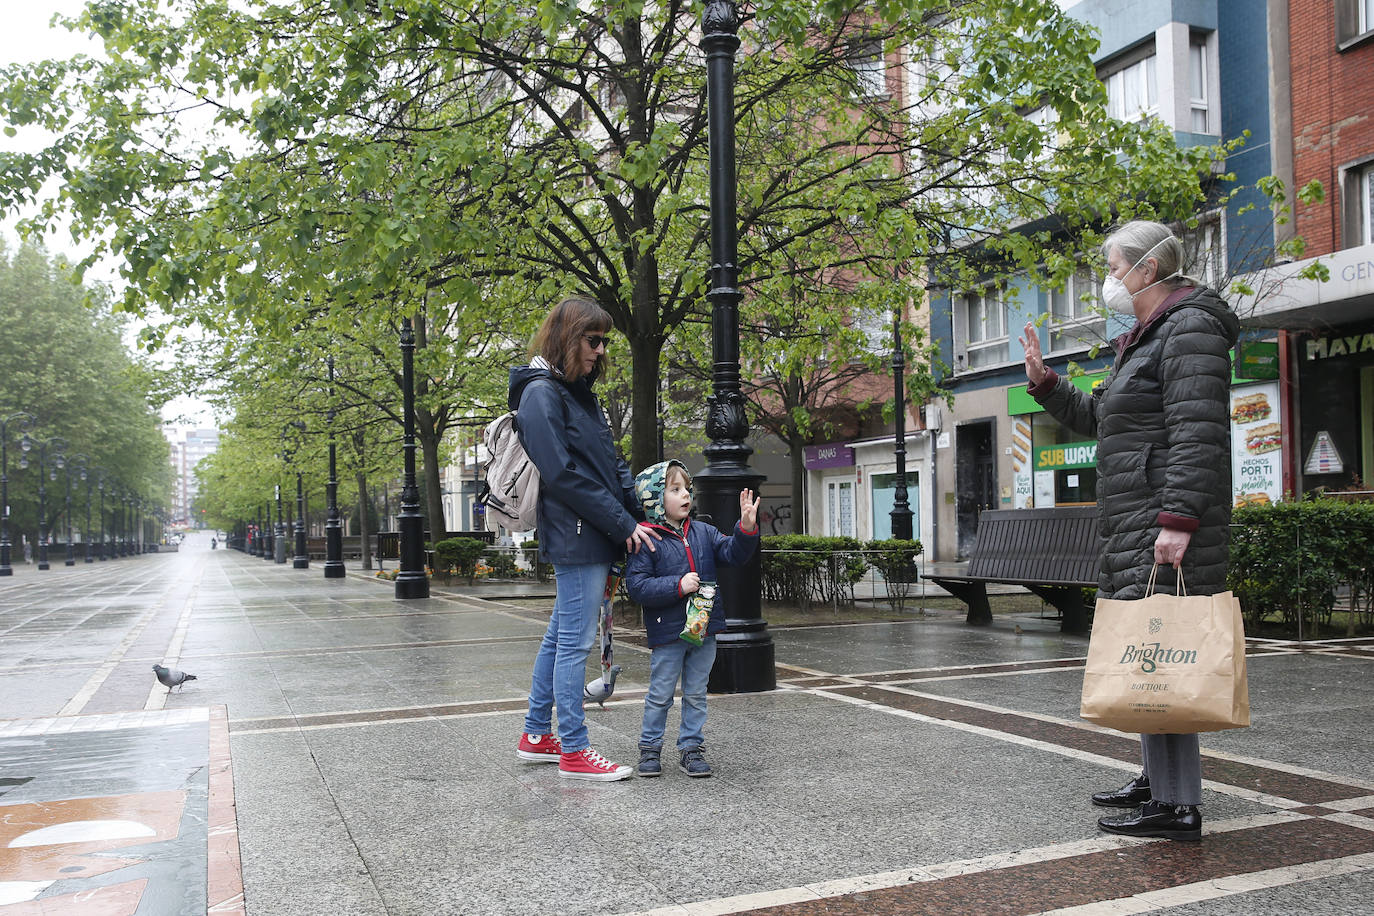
pixel 647 345
pixel 797 449
pixel 364 526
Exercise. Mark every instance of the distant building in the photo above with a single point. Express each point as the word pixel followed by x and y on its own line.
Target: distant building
pixel 189 448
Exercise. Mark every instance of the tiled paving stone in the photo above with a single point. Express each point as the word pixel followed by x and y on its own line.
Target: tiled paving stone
pixel 905 767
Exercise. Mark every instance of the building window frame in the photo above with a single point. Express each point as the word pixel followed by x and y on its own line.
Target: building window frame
pixel 1357 202
pixel 982 328
pixel 1075 319
pixel 869 66
pixel 1130 80
pixel 1199 86
pixel 1354 23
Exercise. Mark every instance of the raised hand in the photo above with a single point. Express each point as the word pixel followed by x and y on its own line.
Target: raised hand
pixel 1035 361
pixel 748 510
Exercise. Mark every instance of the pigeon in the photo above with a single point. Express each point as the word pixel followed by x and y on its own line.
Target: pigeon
pixel 171 677
pixel 600 690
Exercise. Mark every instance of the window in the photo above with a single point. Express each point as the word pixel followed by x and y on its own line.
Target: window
pixel 985 328
pixel 1197 84
pixel 1076 321
pixel 1354 21
pixel 1204 255
pixel 869 69
pixel 1357 199
pixel 1131 91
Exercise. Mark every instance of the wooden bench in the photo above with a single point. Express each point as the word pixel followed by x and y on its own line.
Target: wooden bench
pixel 1052 552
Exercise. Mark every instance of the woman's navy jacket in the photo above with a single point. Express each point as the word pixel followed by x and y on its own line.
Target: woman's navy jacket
pixel 587 506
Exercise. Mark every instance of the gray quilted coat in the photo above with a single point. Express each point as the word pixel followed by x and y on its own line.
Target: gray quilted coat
pixel 1162 422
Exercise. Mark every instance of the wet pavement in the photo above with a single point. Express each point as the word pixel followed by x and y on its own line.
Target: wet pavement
pixel 345 752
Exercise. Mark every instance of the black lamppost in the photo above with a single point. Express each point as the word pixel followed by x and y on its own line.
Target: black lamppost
pixel 269 541
pixel 22 420
pixel 100 485
pixel 300 559
pixel 56 444
pixel 744 651
pixel 75 463
pixel 279 540
pixel 112 550
pixel 333 527
pixel 90 479
pixel 411 581
pixel 901 509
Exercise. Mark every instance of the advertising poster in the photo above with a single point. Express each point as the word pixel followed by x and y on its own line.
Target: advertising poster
pixel 1256 443
pixel 1022 496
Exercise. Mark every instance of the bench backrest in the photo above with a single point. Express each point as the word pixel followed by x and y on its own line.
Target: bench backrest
pixel 1037 545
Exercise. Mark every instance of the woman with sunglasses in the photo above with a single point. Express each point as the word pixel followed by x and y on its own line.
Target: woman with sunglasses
pixel 588 517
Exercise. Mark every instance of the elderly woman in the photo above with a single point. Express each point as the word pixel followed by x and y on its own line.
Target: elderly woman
pixel 1163 466
pixel 588 517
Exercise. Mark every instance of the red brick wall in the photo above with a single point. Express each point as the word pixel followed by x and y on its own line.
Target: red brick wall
pixel 1333 116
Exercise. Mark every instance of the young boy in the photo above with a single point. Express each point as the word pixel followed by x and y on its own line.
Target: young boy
pixel 662 580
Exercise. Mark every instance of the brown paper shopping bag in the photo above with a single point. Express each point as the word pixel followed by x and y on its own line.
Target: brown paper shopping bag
pixel 1167 664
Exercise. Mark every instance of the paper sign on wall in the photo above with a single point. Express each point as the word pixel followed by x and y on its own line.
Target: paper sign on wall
pixel 1323 459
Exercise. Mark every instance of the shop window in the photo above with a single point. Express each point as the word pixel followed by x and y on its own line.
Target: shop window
pixel 984 325
pixel 884 488
pixel 839 507
pixel 1076 320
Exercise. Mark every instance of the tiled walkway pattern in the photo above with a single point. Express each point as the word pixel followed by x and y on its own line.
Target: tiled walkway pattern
pixel 356 752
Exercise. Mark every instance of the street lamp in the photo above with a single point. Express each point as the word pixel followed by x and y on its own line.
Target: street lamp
pixel 56 444
pixel 901 509
pixel 75 463
pixel 300 559
pixel 23 421
pixel 744 651
pixel 411 581
pixel 100 485
pixel 269 540
pixel 333 527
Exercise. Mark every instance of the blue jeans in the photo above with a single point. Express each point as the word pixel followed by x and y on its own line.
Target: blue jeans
pixel 560 667
pixel 667 664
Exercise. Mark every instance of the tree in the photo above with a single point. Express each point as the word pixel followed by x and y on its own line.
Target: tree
pixel 66 365
pixel 382 160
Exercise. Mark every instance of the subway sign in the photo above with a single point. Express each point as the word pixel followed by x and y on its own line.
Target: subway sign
pixel 1066 455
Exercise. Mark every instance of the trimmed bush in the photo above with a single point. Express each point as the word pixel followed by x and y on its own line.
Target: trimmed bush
pixel 459 554
pixel 1293 558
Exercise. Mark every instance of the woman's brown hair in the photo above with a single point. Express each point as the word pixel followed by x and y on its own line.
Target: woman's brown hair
pixel 559 339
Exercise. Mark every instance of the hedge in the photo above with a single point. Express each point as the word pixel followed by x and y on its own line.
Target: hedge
pixel 801 570
pixel 1294 558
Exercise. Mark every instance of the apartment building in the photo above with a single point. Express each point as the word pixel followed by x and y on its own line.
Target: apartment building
pixel 1194 66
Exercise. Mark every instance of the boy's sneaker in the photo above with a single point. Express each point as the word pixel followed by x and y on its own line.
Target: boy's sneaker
pixel 649 762
pixel 694 763
pixel 588 764
pixel 539 748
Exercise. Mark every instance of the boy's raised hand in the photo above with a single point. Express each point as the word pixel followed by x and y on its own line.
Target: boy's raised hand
pixel 748 510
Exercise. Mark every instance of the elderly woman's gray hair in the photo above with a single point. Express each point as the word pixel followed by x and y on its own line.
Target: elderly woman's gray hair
pixel 1143 238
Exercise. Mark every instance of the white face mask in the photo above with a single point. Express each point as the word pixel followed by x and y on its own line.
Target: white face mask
pixel 1121 300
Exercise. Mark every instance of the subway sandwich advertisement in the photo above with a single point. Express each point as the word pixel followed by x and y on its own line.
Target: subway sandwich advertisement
pixel 1256 444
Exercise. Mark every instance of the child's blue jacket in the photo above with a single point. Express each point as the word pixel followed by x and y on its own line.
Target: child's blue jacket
pixel 651 577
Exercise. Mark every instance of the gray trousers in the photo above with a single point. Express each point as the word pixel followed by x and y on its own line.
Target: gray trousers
pixel 1174 765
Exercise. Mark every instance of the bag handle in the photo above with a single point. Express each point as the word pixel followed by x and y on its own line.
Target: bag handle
pixel 1180 588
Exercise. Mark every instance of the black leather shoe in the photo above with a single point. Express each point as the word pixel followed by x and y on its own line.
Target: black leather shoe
pixel 1132 795
pixel 1172 822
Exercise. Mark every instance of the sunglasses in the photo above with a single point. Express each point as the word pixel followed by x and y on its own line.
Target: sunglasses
pixel 597 341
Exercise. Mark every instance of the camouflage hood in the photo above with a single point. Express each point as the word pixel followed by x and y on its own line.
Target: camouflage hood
pixel 649 486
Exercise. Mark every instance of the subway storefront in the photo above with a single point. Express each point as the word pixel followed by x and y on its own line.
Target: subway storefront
pixel 1053 466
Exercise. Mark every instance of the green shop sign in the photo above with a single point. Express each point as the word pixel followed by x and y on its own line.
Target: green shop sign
pixel 1018 402
pixel 1255 359
pixel 1066 455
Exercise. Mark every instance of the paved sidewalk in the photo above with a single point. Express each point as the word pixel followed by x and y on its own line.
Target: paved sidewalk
pixel 342 752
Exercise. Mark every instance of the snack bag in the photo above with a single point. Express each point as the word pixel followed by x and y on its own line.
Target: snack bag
pixel 699 605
